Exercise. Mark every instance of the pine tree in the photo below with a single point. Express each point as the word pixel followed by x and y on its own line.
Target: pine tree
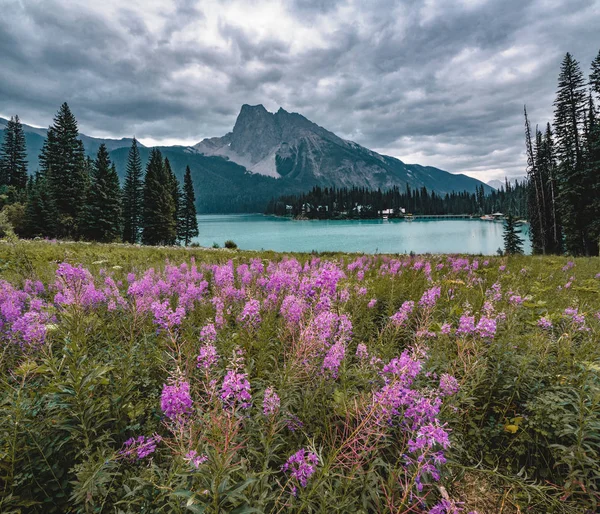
pixel 13 156
pixel 176 194
pixel 512 242
pixel 158 226
pixel 133 196
pixel 63 162
pixel 101 217
pixel 569 116
pixel 188 223
pixel 40 211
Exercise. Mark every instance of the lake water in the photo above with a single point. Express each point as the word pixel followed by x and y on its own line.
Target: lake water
pixel 258 232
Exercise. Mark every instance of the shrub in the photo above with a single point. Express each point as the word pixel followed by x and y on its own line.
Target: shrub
pixel 230 244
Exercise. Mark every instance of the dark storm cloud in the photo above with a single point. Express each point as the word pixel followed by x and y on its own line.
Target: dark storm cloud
pixel 439 82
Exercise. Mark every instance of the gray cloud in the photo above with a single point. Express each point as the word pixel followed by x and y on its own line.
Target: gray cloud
pixel 438 82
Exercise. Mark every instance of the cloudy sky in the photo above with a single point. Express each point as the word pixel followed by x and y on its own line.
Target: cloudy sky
pixel 436 82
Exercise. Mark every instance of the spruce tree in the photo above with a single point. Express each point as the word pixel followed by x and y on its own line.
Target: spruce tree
pixel 595 76
pixel 569 116
pixel 63 162
pixel 176 194
pixel 188 223
pixel 512 242
pixel 40 211
pixel 158 226
pixel 535 191
pixel 554 236
pixel 13 156
pixel 592 177
pixel 133 196
pixel 101 217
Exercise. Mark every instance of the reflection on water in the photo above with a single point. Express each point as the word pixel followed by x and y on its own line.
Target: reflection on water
pixel 257 232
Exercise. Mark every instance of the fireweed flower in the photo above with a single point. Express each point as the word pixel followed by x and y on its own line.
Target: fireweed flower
pixel 293 309
pixel 250 315
pixel 577 319
pixel 544 323
pixel 430 297
pixel 175 400
pixel 271 402
pixel 401 316
pixel 333 359
pixel 515 299
pixel 165 317
pixel 486 328
pixel 446 328
pixel 448 385
pixel 372 303
pixel 194 459
pixel 301 466
pixel 235 390
pixel 208 333
pixel 466 325
pixel 140 447
pixel 207 357
pixel 361 351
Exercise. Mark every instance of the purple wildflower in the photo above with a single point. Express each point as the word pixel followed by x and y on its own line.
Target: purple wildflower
pixel 194 459
pixel 401 316
pixel 301 466
pixel 544 323
pixel 361 351
pixel 208 333
pixel 333 359
pixel 430 297
pixel 235 391
pixel 250 315
pixel 271 402
pixel 175 400
pixel 448 385
pixel 207 356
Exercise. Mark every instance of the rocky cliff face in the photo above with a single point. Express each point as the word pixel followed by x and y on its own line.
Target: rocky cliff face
pixel 288 146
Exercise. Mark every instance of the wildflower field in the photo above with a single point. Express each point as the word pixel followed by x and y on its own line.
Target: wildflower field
pixel 173 380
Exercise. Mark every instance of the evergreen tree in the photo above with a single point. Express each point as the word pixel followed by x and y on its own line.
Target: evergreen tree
pixel 535 191
pixel 63 163
pixel 512 242
pixel 595 76
pixel 158 226
pixel 13 156
pixel 101 217
pixel 188 223
pixel 554 234
pixel 176 194
pixel 40 211
pixel 133 196
pixel 569 116
pixel 592 174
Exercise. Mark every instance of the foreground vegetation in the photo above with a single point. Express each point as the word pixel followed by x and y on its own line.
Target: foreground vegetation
pixel 188 380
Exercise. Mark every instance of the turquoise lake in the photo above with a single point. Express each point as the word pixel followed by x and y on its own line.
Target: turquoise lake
pixel 258 232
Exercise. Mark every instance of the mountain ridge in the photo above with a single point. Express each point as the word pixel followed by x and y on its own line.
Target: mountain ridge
pixel 267 155
pixel 288 145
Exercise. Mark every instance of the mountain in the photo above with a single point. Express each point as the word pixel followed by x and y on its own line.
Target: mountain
pixel 500 184
pixel 34 139
pixel 267 155
pixel 289 147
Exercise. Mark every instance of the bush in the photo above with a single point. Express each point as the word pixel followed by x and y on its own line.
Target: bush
pixel 6 228
pixel 15 214
pixel 230 244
